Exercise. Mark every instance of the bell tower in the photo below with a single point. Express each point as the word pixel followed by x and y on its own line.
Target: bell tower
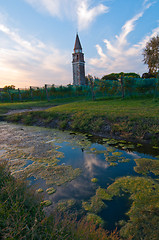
pixel 78 64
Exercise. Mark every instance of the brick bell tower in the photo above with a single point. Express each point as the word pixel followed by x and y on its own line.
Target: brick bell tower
pixel 78 64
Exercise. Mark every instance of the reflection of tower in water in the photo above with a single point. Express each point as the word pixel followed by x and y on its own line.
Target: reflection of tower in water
pixel 78 64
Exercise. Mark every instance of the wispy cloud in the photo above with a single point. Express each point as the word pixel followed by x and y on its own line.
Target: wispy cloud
pixel 120 55
pixel 84 12
pixel 31 62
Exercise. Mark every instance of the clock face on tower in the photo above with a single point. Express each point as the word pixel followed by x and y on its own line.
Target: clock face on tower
pixel 78 64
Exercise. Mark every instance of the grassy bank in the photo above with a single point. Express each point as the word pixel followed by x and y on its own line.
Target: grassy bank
pixel 136 119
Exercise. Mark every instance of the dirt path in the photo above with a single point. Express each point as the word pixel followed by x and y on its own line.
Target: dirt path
pixel 10 112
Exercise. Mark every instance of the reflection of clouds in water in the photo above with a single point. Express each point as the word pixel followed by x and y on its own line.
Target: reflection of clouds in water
pixel 92 162
pixel 78 189
pixel 134 155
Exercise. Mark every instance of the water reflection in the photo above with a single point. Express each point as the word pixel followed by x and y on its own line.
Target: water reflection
pixel 93 162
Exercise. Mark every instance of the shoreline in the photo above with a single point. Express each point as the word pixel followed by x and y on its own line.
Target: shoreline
pixel 105 130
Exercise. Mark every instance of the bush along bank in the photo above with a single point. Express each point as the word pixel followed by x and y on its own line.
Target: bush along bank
pixel 139 129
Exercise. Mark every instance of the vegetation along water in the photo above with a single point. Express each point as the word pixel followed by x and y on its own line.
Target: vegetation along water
pixel 105 177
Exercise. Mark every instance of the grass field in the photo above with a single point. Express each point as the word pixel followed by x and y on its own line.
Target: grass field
pixel 5 107
pixel 112 108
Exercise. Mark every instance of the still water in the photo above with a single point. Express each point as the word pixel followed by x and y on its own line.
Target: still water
pixel 102 159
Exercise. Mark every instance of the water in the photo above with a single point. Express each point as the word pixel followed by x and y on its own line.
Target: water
pixel 26 145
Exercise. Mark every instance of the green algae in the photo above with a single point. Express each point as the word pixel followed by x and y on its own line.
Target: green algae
pixel 94 180
pixel 95 219
pixel 110 149
pixel 93 149
pixel 143 213
pixel 36 145
pixel 113 164
pixel 139 145
pixel 103 194
pixel 121 144
pixel 146 165
pixel 66 205
pixel 112 142
pixel 40 190
pixel 94 205
pixel 57 175
pixel 46 203
pixel 51 190
pixel 16 164
pixel 155 147
pixel 122 141
pixel 117 153
pixel 124 160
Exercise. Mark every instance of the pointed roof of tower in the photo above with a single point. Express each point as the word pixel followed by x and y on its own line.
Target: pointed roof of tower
pixel 77 43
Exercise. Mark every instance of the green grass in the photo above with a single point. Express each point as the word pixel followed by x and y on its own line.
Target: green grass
pixel 112 108
pixel 131 118
pixel 5 107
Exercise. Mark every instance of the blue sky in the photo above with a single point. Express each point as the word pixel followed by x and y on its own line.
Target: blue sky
pixel 37 38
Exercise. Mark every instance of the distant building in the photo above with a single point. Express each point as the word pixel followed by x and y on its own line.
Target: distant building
pixel 78 64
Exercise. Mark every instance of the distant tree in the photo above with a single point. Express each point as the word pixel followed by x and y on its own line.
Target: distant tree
pixel 11 87
pixel 151 55
pixel 116 76
pixel 148 75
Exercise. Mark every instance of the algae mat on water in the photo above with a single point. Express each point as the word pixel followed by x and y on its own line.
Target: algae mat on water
pixel 31 152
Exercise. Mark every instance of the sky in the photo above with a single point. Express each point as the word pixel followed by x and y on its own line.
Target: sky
pixel 37 38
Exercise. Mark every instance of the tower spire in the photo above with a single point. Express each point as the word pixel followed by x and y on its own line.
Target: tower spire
pixel 77 43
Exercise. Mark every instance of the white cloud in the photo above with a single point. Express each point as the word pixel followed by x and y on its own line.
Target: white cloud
pixel 31 62
pixel 84 12
pixel 87 15
pixel 120 55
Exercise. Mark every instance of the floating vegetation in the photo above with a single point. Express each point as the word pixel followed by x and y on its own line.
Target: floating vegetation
pixel 117 153
pixel 94 205
pixel 111 149
pixel 94 180
pixel 121 144
pixel 122 141
pixel 16 164
pixel 112 142
pixel 103 194
pixel 32 152
pixel 105 139
pixel 46 203
pixel 155 147
pixel 93 149
pixel 131 146
pixel 124 160
pixel 63 206
pixel 146 165
pixel 113 164
pixel 40 190
pixel 51 190
pixel 143 213
pixel 93 218
pixel 100 151
pixel 111 158
pixel 139 145
pixel 51 174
